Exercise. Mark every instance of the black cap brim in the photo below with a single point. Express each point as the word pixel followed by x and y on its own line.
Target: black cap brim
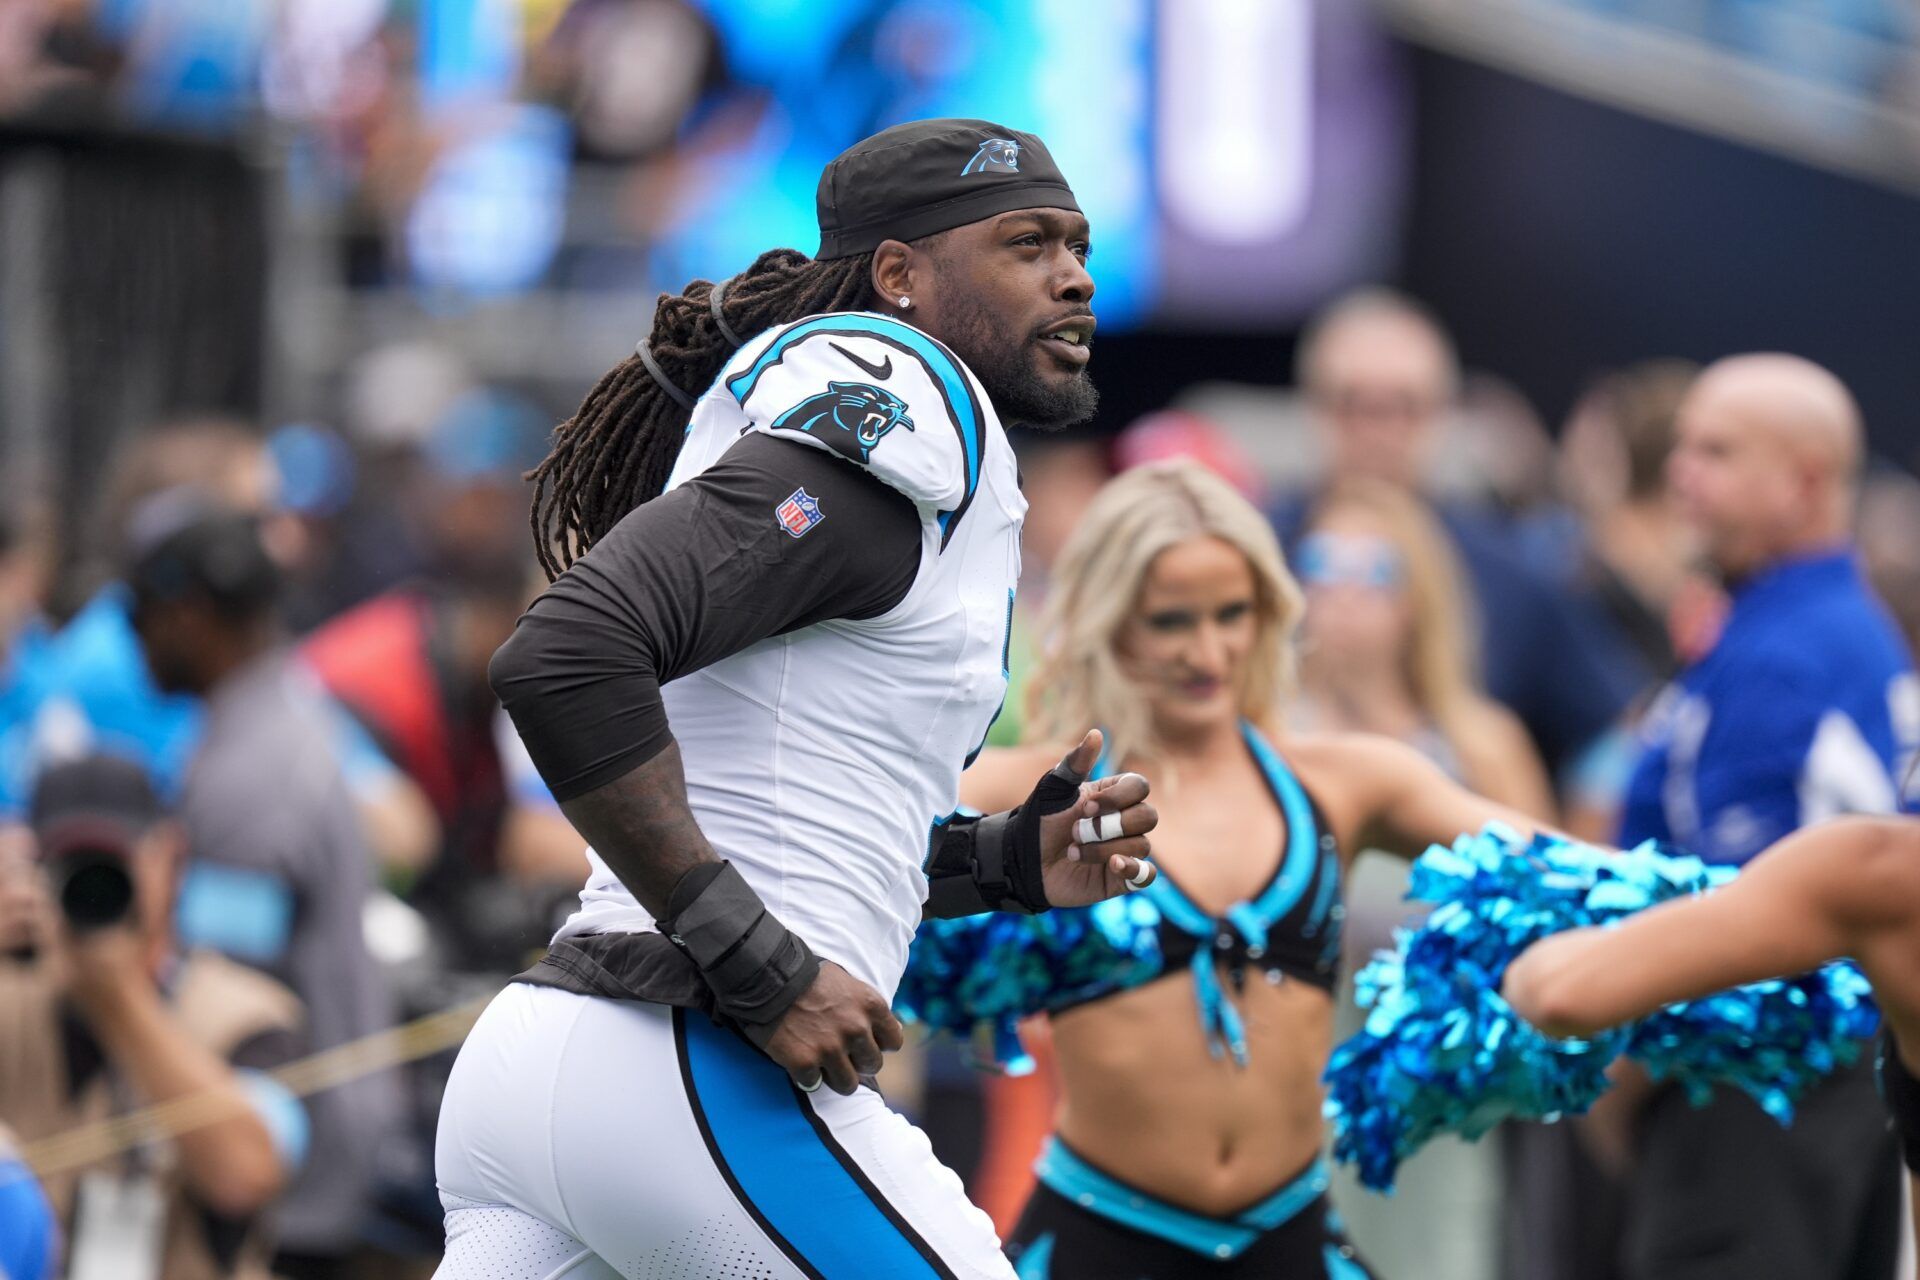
pixel 975 206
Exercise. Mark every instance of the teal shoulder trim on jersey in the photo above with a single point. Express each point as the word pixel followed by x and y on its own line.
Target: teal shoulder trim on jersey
pixel 943 368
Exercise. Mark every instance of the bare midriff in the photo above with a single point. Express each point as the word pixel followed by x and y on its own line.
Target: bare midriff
pixel 1146 1102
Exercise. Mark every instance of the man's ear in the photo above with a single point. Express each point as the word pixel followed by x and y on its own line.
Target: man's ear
pixel 892 273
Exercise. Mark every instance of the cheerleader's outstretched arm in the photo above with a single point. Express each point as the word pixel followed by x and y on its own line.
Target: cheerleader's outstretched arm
pixel 1811 897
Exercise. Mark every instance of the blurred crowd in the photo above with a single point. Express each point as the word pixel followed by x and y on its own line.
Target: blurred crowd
pixel 477 148
pixel 259 801
pixel 265 733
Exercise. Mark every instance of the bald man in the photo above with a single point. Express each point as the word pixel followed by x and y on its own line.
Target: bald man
pixel 1804 709
pixel 1766 460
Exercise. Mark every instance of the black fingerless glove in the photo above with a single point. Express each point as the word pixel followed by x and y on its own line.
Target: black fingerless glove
pixel 994 863
pixel 754 965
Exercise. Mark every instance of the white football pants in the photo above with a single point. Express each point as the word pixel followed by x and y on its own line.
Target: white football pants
pixel 592 1139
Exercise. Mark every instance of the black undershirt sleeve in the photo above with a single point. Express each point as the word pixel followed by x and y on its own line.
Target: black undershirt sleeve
pixel 694 576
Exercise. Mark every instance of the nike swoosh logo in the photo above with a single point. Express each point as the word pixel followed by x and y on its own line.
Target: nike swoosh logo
pixel 881 371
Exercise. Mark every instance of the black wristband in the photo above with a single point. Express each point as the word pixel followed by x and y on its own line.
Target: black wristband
pixel 952 888
pixel 754 965
pixel 994 863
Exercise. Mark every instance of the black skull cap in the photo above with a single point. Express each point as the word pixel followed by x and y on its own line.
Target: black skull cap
pixel 183 546
pixel 98 801
pixel 928 176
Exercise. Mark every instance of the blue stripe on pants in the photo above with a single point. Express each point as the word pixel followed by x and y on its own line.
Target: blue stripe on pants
pixel 783 1163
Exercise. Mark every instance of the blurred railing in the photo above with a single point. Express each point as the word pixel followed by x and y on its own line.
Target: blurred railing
pixel 1833 84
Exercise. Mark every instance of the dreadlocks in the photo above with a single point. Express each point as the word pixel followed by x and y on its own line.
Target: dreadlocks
pixel 618 448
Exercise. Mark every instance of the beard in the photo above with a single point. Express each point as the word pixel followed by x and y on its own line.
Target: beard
pixel 1006 367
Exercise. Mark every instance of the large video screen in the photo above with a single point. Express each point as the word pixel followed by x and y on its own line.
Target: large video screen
pixel 1238 159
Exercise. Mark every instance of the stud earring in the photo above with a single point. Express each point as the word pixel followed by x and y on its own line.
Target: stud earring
pixel 905 301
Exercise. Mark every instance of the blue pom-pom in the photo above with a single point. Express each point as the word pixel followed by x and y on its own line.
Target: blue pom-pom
pixel 976 977
pixel 1772 1040
pixel 1442 1052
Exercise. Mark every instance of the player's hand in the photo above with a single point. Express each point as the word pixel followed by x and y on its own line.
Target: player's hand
pixel 1077 874
pixel 836 1032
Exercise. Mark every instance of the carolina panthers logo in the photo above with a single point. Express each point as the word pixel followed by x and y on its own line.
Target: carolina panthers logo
pixel 995 153
pixel 851 417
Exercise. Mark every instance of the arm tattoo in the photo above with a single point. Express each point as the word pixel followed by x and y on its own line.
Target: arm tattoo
pixel 641 826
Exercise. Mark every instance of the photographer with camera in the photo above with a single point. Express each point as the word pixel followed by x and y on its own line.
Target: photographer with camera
pixel 100 1013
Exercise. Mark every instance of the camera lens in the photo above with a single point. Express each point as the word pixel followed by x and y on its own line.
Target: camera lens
pixel 93 888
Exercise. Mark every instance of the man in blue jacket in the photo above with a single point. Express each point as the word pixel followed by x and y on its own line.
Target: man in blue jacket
pixel 1807 707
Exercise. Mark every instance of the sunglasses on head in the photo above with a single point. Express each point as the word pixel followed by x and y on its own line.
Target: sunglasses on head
pixel 1336 559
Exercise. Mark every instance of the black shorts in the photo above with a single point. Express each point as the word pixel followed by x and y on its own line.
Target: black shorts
pixel 1722 1192
pixel 1082 1224
pixel 1902 1095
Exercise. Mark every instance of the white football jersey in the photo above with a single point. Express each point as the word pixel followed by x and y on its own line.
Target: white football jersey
pixel 818 761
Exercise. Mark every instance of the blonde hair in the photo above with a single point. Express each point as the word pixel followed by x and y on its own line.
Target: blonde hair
pixel 1442 647
pixel 1078 682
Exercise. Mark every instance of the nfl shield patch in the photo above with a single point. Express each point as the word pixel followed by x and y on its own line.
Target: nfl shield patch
pixel 799 513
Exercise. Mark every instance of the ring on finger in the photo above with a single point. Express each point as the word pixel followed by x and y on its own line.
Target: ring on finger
pixel 804 1087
